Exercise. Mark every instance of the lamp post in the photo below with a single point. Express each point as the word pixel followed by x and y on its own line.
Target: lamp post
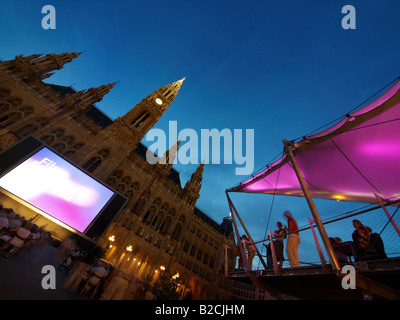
pixel 128 249
pixel 162 268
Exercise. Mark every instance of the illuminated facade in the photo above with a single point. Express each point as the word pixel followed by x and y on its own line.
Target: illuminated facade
pixel 160 225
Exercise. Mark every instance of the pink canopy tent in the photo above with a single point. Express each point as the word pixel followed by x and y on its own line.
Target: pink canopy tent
pixel 355 159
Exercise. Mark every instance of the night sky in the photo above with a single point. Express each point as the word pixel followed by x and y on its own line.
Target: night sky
pixel 283 68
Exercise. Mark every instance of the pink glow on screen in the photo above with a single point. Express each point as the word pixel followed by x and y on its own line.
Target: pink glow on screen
pixel 58 188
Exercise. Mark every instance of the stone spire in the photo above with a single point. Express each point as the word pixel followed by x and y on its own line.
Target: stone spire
pixel 94 95
pixel 134 125
pixel 170 91
pixel 37 66
pixel 194 184
pixel 169 157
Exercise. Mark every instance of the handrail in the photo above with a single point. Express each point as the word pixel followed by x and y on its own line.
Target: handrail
pixel 337 219
pixel 276 268
pixel 321 255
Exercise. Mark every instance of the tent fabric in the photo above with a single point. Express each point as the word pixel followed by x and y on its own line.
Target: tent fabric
pixel 352 160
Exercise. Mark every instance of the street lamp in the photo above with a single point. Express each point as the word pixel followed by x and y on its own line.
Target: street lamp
pixel 111 239
pixel 175 276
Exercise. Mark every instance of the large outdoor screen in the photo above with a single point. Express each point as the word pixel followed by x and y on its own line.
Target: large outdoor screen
pixel 59 189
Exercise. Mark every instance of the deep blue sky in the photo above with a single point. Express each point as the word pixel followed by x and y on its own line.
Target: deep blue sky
pixel 282 68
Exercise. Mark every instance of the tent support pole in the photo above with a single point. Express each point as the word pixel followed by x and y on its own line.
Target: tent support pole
pixel 247 232
pixel 313 209
pixel 256 281
pixel 239 240
pixel 395 226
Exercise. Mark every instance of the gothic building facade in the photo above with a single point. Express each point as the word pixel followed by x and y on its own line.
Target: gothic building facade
pixel 160 228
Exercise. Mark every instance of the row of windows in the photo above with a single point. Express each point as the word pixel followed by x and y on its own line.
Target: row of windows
pixel 195 268
pixel 123 184
pixel 203 236
pixel 149 237
pixel 198 253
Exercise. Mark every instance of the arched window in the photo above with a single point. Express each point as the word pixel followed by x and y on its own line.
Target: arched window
pixel 4 107
pixel 93 163
pixel 133 188
pixel 114 178
pixel 15 111
pixel 138 121
pixel 120 187
pixel 72 150
pixel 166 224
pixel 31 127
pixel 69 140
pixel 4 93
pixel 60 147
pixel 10 118
pixel 149 214
pixel 177 231
pixel 14 101
pixel 49 139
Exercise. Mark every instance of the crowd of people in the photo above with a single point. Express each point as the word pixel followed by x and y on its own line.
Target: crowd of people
pixel 96 280
pixel 99 280
pixel 293 240
pixel 365 245
pixel 17 233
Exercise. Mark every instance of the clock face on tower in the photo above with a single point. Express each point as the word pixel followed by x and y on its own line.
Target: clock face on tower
pixel 159 101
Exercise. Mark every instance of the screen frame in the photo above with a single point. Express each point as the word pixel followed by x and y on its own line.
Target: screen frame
pixel 34 151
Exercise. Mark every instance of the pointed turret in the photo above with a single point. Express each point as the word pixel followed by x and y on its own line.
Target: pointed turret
pixel 133 126
pixel 169 157
pixel 75 103
pixel 38 67
pixel 194 184
pixel 170 91
pixel 94 95
pixel 51 62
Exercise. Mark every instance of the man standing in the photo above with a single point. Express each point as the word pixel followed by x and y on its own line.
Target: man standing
pixel 292 246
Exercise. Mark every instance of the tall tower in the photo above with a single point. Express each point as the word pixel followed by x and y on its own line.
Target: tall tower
pixel 132 127
pixel 193 186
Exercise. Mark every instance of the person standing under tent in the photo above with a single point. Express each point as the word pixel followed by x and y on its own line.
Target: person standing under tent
pixel 251 250
pixel 280 235
pixel 360 239
pixel 293 241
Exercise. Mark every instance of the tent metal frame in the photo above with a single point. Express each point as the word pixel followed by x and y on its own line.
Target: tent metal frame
pixel 366 284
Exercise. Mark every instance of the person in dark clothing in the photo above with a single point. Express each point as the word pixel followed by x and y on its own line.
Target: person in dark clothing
pixel 280 235
pixel 376 248
pixel 270 262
